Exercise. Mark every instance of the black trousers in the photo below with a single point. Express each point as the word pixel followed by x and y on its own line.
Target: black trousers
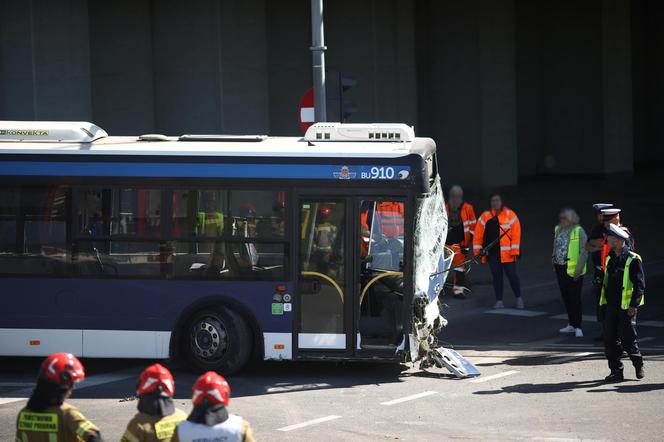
pixel 597 291
pixel 570 291
pixel 620 334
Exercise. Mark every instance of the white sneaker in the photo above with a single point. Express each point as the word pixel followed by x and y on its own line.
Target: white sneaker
pixel 578 333
pixel 499 305
pixel 567 329
pixel 519 303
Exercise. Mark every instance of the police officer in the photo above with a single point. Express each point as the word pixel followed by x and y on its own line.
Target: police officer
pixel 622 293
pixel 157 416
pixel 47 417
pixel 210 420
pixel 594 246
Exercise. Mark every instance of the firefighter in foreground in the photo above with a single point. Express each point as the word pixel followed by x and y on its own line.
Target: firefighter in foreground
pixel 210 420
pixel 47 417
pixel 622 293
pixel 157 416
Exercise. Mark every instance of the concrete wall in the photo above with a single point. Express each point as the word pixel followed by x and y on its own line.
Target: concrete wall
pixel 507 88
pixel 469 102
pixel 648 80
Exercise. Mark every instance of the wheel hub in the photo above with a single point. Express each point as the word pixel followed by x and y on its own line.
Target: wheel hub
pixel 209 339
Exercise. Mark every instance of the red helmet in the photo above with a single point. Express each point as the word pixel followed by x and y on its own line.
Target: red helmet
pixel 62 369
pixel 153 377
pixel 211 387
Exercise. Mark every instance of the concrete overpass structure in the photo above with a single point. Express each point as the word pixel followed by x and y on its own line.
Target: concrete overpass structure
pixel 508 88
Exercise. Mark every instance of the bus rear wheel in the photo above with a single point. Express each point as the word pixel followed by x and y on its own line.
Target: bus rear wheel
pixel 218 339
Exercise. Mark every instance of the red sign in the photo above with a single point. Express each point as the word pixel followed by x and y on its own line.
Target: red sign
pixel 306 108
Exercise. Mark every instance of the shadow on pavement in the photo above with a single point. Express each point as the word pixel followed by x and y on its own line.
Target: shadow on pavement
pixel 566 387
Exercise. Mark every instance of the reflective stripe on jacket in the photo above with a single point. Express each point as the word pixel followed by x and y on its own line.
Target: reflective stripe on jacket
pixel 390 215
pixel 469 221
pixel 573 250
pixel 509 232
pixel 146 428
pixel 627 285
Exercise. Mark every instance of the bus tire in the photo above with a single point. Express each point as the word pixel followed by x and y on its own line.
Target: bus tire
pixel 218 339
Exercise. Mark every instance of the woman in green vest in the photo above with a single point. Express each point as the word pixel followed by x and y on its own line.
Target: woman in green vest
pixel 569 262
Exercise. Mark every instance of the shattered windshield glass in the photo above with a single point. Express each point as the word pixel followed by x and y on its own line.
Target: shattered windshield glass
pixel 430 235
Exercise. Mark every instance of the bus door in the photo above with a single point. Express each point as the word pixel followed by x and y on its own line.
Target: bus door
pixel 379 310
pixel 324 295
pixel 350 288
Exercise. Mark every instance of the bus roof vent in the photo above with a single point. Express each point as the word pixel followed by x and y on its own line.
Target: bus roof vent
pixel 224 138
pixel 50 131
pixel 395 132
pixel 152 137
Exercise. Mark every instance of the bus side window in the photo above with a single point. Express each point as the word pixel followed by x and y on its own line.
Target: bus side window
pixel 33 230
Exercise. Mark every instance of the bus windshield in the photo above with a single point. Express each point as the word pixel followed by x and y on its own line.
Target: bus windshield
pixel 430 233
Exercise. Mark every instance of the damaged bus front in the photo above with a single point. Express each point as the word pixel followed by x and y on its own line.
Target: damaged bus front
pixel 432 261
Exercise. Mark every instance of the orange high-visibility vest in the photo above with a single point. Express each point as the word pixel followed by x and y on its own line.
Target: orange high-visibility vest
pixel 469 221
pixel 510 242
pixel 391 214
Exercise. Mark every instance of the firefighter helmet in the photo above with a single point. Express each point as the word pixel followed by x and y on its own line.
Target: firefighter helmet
pixel 154 377
pixel 62 369
pixel 212 388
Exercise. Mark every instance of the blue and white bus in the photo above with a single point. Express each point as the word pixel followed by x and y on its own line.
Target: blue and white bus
pixel 220 249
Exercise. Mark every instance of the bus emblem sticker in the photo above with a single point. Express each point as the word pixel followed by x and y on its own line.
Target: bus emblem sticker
pixel 277 308
pixel 344 174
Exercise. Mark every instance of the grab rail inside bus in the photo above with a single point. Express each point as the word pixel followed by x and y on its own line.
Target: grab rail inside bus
pixel 377 278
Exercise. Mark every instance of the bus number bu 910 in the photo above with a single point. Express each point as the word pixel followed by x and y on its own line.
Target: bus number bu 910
pixel 379 173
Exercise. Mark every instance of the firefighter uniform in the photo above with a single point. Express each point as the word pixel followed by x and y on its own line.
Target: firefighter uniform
pixel 63 423
pixel 210 420
pixel 622 288
pixel 147 428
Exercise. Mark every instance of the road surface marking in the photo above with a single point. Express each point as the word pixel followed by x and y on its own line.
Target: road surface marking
pixel 651 323
pixel 320 420
pixel 92 381
pixel 569 358
pixel 586 318
pixel 493 376
pixel 649 338
pixel 296 387
pixel 409 398
pixel 514 312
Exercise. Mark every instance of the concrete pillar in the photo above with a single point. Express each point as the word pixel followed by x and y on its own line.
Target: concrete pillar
pixel 497 83
pixel 243 66
pixel 289 62
pixel 121 66
pixel 617 87
pixel 471 90
pixel 374 42
pixel 186 59
pixel 45 60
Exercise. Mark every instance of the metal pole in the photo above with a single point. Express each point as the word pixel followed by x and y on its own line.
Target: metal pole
pixel 318 53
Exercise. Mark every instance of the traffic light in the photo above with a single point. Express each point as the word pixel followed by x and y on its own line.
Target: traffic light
pixel 336 84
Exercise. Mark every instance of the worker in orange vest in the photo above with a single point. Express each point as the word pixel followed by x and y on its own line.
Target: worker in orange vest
pixel 461 229
pixel 498 239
